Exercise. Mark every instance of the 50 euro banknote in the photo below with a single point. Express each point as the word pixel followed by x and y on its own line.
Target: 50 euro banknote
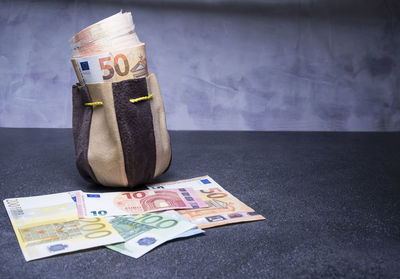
pixel 222 207
pixel 112 66
pixel 48 225
pixel 124 203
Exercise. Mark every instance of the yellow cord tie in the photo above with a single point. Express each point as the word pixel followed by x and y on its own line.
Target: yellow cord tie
pixel 130 100
pixel 94 104
pixel 141 99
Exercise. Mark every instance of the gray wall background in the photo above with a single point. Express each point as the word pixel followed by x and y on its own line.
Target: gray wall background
pixel 229 65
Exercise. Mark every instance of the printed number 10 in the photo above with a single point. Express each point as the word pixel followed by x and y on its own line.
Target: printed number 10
pixel 116 66
pixel 100 212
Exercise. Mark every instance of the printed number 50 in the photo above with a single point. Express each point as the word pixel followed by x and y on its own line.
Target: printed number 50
pixel 116 66
pixel 213 195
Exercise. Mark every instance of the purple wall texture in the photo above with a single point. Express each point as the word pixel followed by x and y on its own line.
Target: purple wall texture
pixel 221 65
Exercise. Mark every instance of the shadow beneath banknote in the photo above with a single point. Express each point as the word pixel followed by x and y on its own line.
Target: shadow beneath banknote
pixel 97 188
pixel 73 253
pixel 200 235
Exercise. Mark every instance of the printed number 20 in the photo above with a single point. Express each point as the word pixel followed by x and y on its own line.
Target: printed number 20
pixel 116 66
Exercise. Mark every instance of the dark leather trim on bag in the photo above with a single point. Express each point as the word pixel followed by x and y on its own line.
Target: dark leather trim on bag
pixel 81 120
pixel 135 124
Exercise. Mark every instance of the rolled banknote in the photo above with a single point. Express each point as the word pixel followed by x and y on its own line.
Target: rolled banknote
pixel 48 225
pixel 117 31
pixel 118 24
pixel 108 51
pixel 143 233
pixel 223 208
pixel 112 65
pixel 123 203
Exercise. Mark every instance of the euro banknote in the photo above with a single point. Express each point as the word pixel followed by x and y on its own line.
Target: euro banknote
pixel 143 233
pixel 222 207
pixel 176 215
pixel 108 51
pixel 112 66
pixel 114 32
pixel 48 225
pixel 120 23
pixel 138 202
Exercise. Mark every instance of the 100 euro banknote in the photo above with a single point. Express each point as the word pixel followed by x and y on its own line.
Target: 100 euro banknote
pixel 176 215
pixel 144 232
pixel 222 207
pixel 48 225
pixel 122 203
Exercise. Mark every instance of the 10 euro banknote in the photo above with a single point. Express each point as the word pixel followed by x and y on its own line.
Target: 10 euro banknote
pixel 123 203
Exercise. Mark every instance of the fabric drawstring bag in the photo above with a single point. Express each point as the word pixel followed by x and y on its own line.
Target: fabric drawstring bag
pixel 120 132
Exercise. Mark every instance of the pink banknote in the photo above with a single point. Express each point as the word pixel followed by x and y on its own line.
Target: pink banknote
pixel 123 203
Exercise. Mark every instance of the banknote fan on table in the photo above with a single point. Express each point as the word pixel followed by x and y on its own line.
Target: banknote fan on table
pixel 119 125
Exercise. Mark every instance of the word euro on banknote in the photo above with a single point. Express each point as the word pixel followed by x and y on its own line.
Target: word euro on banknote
pixel 143 233
pixel 223 208
pixel 123 203
pixel 48 225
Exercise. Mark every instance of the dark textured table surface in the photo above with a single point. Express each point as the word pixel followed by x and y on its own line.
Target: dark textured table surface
pixel 332 203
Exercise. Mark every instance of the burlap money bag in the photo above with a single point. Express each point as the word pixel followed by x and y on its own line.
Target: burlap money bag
pixel 120 132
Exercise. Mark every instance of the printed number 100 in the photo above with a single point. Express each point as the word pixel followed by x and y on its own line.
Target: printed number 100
pixel 116 67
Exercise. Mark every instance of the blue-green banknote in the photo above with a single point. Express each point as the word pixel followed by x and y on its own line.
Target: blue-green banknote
pixel 144 232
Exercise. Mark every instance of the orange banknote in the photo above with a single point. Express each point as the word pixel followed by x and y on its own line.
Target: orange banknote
pixel 223 208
